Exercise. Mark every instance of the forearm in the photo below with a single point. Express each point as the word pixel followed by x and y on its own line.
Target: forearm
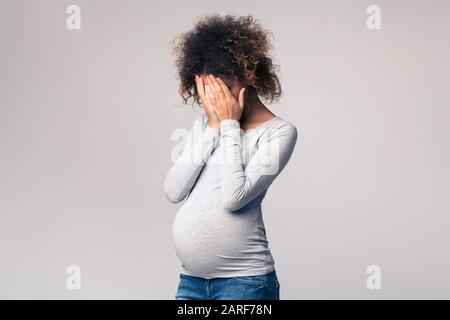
pixel 182 176
pixel 233 178
pixel 243 183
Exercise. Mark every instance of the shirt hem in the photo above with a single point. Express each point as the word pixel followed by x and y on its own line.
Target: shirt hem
pixel 246 273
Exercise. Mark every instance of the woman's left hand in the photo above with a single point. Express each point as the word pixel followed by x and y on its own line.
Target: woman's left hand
pixel 225 104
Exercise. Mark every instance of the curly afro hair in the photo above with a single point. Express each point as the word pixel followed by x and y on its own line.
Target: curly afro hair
pixel 231 46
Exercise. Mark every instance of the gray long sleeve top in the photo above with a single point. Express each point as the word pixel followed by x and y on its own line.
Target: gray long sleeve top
pixel 223 176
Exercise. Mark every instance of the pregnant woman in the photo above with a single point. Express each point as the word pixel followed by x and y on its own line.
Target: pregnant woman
pixel 234 151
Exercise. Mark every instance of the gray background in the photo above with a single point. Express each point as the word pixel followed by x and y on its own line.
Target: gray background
pixel 85 124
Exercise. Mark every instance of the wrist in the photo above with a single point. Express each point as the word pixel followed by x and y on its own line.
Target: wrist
pixel 213 128
pixel 227 124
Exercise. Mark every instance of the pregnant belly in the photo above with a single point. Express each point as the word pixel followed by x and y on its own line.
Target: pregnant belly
pixel 210 239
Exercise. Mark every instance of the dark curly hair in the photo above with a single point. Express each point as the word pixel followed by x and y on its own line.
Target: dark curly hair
pixel 232 46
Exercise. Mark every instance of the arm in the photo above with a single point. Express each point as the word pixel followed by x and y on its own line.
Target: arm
pixel 200 143
pixel 241 185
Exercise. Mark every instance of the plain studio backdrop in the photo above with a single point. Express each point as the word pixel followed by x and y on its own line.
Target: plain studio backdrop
pixel 86 121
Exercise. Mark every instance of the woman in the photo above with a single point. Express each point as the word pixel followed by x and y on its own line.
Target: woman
pixel 235 150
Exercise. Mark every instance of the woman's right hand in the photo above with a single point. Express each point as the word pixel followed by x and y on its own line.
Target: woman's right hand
pixel 213 120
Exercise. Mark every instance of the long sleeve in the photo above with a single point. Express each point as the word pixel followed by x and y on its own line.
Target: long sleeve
pixel 241 185
pixel 200 143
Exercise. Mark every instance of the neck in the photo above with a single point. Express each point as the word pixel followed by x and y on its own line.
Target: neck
pixel 251 110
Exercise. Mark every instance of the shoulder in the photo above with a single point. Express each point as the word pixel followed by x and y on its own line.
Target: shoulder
pixel 281 136
pixel 279 140
pixel 282 129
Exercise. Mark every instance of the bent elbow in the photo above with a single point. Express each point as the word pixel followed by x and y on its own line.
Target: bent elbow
pixel 232 204
pixel 174 196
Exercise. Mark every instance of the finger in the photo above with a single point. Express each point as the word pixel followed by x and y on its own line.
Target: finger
pixel 200 85
pixel 213 101
pixel 210 94
pixel 206 101
pixel 217 87
pixel 224 87
pixel 241 98
pixel 200 88
pixel 206 95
